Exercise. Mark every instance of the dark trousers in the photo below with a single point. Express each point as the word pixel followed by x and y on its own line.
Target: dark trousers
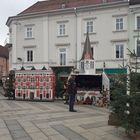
pixel 71 102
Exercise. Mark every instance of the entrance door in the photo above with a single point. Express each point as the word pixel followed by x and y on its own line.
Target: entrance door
pixel 24 96
pixel 31 95
pixel 40 96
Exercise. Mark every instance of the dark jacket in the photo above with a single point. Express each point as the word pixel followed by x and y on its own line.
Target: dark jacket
pixel 72 89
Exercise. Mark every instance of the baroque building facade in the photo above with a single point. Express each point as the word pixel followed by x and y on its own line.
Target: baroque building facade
pixel 52 34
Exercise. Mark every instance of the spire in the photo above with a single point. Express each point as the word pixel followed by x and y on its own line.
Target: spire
pixel 87 53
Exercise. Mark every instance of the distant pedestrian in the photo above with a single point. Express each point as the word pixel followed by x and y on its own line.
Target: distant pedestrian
pixel 72 91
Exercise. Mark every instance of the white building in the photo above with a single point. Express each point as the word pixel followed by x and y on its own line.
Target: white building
pixel 52 33
pixel 134 34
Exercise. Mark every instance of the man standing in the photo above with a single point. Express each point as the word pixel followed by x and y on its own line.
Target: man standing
pixel 72 91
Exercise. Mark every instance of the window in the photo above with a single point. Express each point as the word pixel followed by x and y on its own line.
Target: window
pixel 120 51
pixel 138 48
pixel 92 51
pixel 119 24
pixel 62 55
pixel 82 65
pixel 89 26
pixel 87 65
pixel 62 29
pixel 91 64
pixel 29 55
pixel 29 32
pixel 138 22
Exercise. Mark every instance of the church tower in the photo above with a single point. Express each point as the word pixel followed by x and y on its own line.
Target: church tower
pixel 87 64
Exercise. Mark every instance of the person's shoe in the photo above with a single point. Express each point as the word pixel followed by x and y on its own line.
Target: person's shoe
pixel 73 110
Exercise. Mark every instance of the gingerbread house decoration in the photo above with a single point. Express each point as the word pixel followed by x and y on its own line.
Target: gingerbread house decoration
pixel 92 87
pixel 34 84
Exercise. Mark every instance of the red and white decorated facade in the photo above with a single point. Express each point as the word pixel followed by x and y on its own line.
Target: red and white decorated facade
pixel 35 84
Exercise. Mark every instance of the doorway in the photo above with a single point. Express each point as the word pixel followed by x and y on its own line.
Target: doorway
pixel 31 95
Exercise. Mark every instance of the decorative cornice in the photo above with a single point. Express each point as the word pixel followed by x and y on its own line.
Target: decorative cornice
pixel 30 46
pixel 62 21
pixel 120 15
pixel 118 31
pixel 119 40
pixel 26 25
pixel 62 44
pixel 92 42
pixel 111 60
pixel 90 18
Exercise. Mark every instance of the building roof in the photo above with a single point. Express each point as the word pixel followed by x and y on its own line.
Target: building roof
pixel 4 52
pixel 87 53
pixel 48 5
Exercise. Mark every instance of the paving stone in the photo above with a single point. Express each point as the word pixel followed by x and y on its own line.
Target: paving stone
pixel 67 132
pixel 19 133
pixel 43 125
pixel 38 136
pixel 62 118
pixel 2 125
pixel 78 129
pixel 23 138
pixel 5 137
pixel 50 131
pixel 90 136
pixel 11 122
pixel 16 130
pixel 31 129
pixel 111 137
pixel 14 127
pixel 4 131
pixel 25 123
pixel 58 137
pixel 94 125
pixel 12 104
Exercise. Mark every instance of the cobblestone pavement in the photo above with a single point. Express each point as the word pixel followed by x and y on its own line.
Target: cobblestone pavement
pixel 24 120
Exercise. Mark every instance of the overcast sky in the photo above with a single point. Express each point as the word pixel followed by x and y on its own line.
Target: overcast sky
pixel 11 8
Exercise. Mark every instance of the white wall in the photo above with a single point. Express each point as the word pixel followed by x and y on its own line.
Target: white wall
pixel 46 42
